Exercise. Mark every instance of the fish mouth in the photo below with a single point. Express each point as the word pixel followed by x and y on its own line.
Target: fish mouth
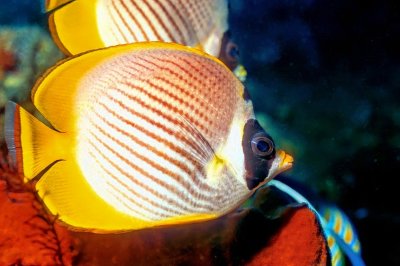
pixel 282 162
pixel 286 160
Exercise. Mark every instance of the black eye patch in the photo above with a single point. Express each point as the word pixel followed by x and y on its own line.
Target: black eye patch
pixel 259 151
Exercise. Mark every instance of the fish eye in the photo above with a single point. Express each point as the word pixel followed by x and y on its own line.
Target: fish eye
pixel 262 145
pixel 232 50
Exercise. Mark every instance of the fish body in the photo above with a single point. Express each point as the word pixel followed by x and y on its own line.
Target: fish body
pixel 79 26
pixel 141 135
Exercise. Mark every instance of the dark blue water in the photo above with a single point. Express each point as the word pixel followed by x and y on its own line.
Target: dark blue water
pixel 327 73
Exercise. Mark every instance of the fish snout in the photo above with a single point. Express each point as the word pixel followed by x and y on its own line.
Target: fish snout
pixel 282 162
pixel 279 163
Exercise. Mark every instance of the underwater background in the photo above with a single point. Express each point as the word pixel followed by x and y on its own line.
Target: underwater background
pixel 324 78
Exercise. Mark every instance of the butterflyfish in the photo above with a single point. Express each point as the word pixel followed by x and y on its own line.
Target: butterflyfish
pixel 79 25
pixel 141 135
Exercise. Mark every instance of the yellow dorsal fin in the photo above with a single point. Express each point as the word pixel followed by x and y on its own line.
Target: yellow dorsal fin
pixel 54 93
pixel 50 5
pixel 73 25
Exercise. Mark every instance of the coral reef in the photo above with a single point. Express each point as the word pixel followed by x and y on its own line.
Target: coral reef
pixel 28 236
pixel 33 52
pixel 7 61
pixel 25 53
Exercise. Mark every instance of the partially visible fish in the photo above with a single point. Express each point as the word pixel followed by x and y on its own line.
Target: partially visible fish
pixel 78 25
pixel 340 233
pixel 343 232
pixel 142 135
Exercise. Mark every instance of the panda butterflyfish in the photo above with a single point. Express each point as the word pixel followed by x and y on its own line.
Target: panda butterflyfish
pixel 82 25
pixel 141 135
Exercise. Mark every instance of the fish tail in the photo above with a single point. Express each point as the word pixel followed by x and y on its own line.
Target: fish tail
pixel 12 135
pixel 29 142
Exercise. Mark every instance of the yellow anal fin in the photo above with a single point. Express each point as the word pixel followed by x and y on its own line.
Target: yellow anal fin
pixel 32 145
pixel 191 218
pixel 69 196
pixel 73 25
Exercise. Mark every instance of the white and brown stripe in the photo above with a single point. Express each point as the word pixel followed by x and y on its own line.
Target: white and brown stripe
pixel 148 122
pixel 188 22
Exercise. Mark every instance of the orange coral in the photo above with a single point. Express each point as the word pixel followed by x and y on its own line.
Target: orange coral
pixel 298 242
pixel 27 235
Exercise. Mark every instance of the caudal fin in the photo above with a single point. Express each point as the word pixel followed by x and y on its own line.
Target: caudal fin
pixel 30 143
pixel 35 149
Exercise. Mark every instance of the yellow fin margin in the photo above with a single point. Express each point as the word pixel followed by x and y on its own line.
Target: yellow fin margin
pixel 67 195
pixel 50 5
pixel 73 25
pixel 54 93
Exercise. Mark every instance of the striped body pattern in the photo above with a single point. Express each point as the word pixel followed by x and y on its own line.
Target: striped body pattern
pixel 337 257
pixel 340 224
pixel 189 22
pixel 341 236
pixel 147 126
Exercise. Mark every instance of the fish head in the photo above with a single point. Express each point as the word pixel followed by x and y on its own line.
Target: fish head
pixel 248 152
pixel 262 161
pixel 229 51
